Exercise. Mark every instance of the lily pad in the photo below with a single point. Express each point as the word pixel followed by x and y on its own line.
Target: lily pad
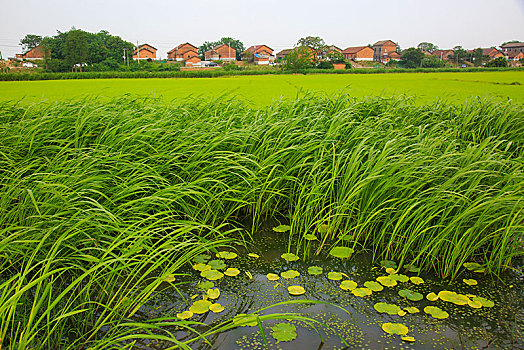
pixel 323 228
pixel 412 309
pixel 348 285
pixel 432 296
pixel 391 270
pixel 388 264
pixel 475 304
pixel 213 293
pixel 411 295
pixel 272 276
pixel 232 272
pixel 474 267
pixel 408 339
pixel 470 282
pixel 387 281
pixel 310 237
pixel 436 312
pixel 402 313
pixel 200 307
pixel 296 290
pixel 314 270
pixel 289 274
pixel 205 285
pixel 341 252
pixel 282 228
pixel 452 297
pixel 412 268
pixel 184 315
pixel 400 277
pixel 226 255
pixel 170 278
pixel 361 292
pixel 284 332
pixel 391 309
pixel 334 276
pixel 217 264
pixel 216 308
pixel 374 286
pixel 395 328
pixel 243 320
pixel 253 255
pixel 416 280
pixel 212 275
pixel 201 267
pixel 485 302
pixel 289 257
pixel 202 258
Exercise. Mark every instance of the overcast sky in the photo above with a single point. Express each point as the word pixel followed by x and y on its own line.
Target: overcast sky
pixel 277 23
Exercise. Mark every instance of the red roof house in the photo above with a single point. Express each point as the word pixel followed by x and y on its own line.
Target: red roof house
pixel 260 54
pixel 222 52
pixel 359 53
pixel 144 52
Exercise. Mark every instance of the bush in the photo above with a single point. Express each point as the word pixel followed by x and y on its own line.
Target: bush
pixel 498 62
pixel 432 62
pixel 325 65
pixel 231 67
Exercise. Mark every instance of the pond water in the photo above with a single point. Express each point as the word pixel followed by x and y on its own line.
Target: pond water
pixel 353 318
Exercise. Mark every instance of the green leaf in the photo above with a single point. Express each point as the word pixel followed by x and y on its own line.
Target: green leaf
pixel 399 278
pixel 436 312
pixel 388 264
pixel 272 276
pixel 432 296
pixel 314 270
pixel 213 293
pixel 216 308
pixel 289 257
pixel 374 286
pixel 201 267
pixel 474 267
pixel 334 276
pixel 253 255
pixel 395 328
pixel 361 292
pixel 412 309
pixel 310 237
pixel 387 281
pixel 226 255
pixel 408 339
pixel 202 258
pixel 341 252
pixel 485 302
pixel 184 315
pixel 243 320
pixel 284 332
pixel 200 307
pixel 411 295
pixel 322 228
pixel 348 285
pixel 416 280
pixel 470 282
pixel 217 264
pixel 282 228
pixel 296 290
pixel 452 297
pixel 390 309
pixel 289 274
pixel 232 272
pixel 212 275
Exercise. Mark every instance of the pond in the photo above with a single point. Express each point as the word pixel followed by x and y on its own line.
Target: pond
pixel 347 312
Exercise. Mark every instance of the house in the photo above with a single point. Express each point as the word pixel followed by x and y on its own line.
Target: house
pixel 283 54
pixel 144 52
pixel 34 54
pixel 515 56
pixel 394 56
pixel 492 53
pixel 182 52
pixel 382 49
pixel 444 55
pixel 359 53
pixel 513 47
pixel 221 53
pixel 260 54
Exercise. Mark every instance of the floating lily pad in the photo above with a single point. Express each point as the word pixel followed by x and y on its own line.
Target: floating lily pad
pixel 231 272
pixel 205 285
pixel 361 292
pixel 226 255
pixel 184 315
pixel 412 309
pixel 416 280
pixel 200 307
pixel 201 267
pixel 212 275
pixel 341 252
pixel 436 312
pixel 453 297
pixel 400 277
pixel 202 258
pixel 323 228
pixel 485 302
pixel 391 270
pixel 402 313
pixel 391 309
pixel 314 270
pixel 432 296
pixel 334 276
pixel 348 285
pixel 388 264
pixel 170 278
pixel 395 328
pixel 387 281
pixel 310 237
pixel 216 308
pixel 474 267
pixel 243 320
pixel 284 332
pixel 475 304
pixel 282 228
pixel 374 286
pixel 408 339
pixel 253 255
pixel 217 264
pixel 289 257
pixel 213 293
pixel 411 295
pixel 289 274
pixel 272 276
pixel 296 290
pixel 470 282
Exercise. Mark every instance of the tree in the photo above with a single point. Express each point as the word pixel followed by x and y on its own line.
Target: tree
pixel 478 57
pixel 234 43
pixel 459 54
pixel 336 57
pixel 30 41
pixel 316 43
pixel 76 48
pixel 510 42
pixel 412 58
pixel 299 58
pixel 425 46
pixel 45 46
pixel 497 62
pixel 432 62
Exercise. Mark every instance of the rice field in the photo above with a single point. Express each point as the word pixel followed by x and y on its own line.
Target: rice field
pixel 106 201
pixel 263 90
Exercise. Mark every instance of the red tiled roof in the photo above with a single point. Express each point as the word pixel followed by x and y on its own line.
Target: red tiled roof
pixel 353 50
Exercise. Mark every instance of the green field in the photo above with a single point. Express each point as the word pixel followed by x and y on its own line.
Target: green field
pixel 262 90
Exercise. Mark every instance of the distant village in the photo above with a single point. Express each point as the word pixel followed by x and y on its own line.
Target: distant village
pixel 383 51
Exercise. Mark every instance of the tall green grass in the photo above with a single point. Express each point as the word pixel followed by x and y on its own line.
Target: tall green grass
pixel 100 201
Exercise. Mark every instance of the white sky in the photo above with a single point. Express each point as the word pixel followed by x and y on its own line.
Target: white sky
pixel 277 23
